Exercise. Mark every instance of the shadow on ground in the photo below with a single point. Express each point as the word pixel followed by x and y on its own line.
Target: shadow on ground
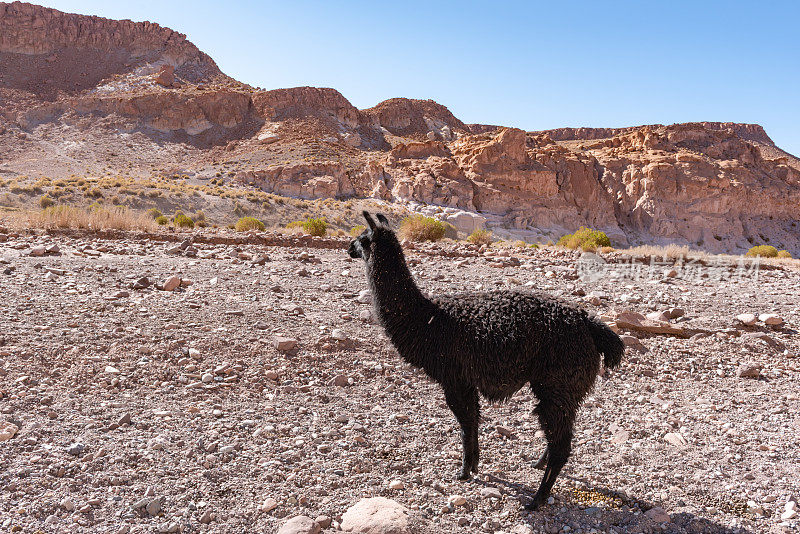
pixel 580 505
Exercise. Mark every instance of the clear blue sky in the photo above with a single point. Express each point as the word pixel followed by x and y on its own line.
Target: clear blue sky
pixel 534 65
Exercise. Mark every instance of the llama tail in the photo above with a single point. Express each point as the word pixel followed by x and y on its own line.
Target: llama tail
pixel 607 342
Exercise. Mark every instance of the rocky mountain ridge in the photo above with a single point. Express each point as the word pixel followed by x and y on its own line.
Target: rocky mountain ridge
pixel 85 94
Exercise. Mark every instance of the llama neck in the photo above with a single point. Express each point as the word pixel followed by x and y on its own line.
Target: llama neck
pixel 401 307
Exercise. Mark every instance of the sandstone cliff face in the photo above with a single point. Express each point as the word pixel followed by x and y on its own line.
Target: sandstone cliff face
pixel 716 186
pixel 417 119
pixel 35 30
pixel 702 186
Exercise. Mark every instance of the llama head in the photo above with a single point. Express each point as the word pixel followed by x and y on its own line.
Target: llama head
pixel 361 246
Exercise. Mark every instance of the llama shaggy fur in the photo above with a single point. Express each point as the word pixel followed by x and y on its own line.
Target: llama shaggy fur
pixel 490 343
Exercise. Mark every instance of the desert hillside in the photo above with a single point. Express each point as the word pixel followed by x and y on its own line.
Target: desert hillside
pixel 91 97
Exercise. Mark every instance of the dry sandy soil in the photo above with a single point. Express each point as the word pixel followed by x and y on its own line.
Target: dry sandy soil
pixel 143 410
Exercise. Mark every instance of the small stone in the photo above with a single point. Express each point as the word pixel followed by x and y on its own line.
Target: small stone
pixel 505 432
pixel 456 500
pixel 339 335
pixel 76 448
pixel 364 296
pixel 396 485
pixel 675 439
pixel 747 319
pixel 633 342
pixel 206 517
pixel 770 319
pixel 324 521
pixel 37 252
pixel 154 506
pixel 207 378
pixel 111 370
pixel 8 431
pixel 300 525
pixel 124 420
pixel 171 284
pixel 67 504
pixel 748 370
pixel 284 344
pixel 658 515
pixel 671 273
pixel 269 505
pixel 491 493
pixel 142 283
pixel 341 381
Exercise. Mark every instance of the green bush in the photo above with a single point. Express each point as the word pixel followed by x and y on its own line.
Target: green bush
pixel 249 223
pixel 45 202
pixel 421 228
pixel 315 227
pixel 154 213
pixel 181 220
pixel 356 230
pixel 784 254
pixel 480 237
pixel 585 239
pixel 162 220
pixel 763 251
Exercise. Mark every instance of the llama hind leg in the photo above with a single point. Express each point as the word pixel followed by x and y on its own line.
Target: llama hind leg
pixel 557 424
pixel 541 463
pixel 463 401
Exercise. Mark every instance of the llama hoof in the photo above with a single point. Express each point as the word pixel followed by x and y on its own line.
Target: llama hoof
pixel 536 503
pixel 463 475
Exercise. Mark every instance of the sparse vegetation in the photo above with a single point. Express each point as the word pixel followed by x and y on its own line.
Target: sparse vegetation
pixel 154 213
pixel 585 239
pixel 784 254
pixel 357 229
pixel 181 220
pixel 249 223
pixel 98 218
pixel 315 227
pixel 162 220
pixel 762 251
pixel 480 237
pixel 421 228
pixel 45 201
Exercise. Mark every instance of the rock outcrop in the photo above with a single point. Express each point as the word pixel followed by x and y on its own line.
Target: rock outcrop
pixel 713 185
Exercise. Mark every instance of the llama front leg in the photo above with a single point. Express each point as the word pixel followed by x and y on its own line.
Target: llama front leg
pixel 463 401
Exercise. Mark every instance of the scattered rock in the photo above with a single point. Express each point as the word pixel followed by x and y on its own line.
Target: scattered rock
pixel 747 319
pixel 748 370
pixel 300 525
pixel 675 439
pixel 171 284
pixel 284 344
pixel 8 431
pixel 658 514
pixel 376 515
pixel 771 319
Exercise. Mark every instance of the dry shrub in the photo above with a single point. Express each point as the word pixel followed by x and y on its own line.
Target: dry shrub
pixel 114 218
pixel 763 251
pixel 585 239
pixel 421 228
pixel 480 237
pixel 249 223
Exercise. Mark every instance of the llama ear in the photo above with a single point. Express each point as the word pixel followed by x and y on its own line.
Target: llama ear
pixel 369 219
pixel 383 220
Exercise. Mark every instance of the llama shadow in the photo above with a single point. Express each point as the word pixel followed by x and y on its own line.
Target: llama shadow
pixel 622 511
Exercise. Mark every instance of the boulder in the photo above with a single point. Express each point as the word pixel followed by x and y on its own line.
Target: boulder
pixel 466 222
pixel 300 525
pixel 376 515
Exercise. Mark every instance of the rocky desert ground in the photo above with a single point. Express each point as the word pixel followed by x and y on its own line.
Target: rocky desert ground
pixel 220 382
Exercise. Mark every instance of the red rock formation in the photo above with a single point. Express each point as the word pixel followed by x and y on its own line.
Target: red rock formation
pixel 417 119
